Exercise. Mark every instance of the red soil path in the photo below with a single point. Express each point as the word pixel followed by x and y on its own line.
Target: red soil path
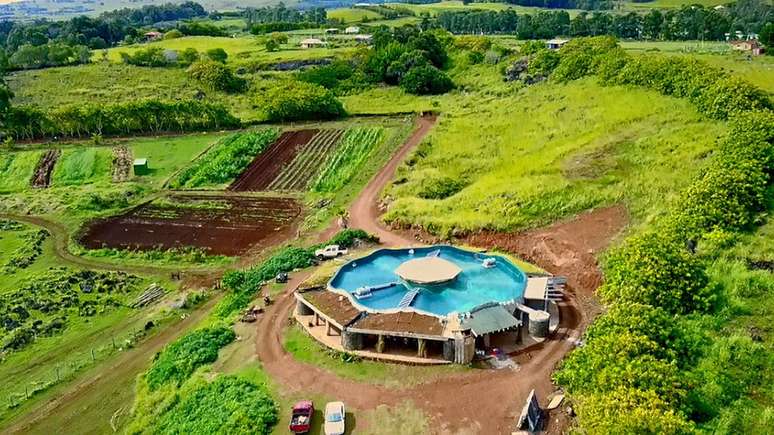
pixel 478 401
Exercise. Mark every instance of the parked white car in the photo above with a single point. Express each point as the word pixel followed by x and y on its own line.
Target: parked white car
pixel 334 419
pixel 330 251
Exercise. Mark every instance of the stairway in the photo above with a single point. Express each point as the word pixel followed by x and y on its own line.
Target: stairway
pixel 408 298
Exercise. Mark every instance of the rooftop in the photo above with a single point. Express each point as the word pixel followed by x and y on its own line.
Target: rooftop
pixel 336 306
pixel 401 322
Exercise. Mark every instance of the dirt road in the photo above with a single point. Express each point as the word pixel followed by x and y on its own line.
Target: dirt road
pixel 480 401
pixel 104 388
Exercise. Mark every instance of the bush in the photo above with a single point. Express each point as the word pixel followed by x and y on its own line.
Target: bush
pixel 630 411
pixel 151 56
pixel 656 270
pixel 544 62
pixel 532 47
pixel 228 404
pixel 440 188
pixel 176 362
pixel 581 57
pixel 426 80
pixel 188 56
pixel 173 34
pixel 216 76
pixel 217 55
pixel 296 101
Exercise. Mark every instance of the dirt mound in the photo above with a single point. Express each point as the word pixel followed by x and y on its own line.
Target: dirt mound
pixel 122 163
pixel 225 225
pixel 269 164
pixel 42 176
pixel 566 248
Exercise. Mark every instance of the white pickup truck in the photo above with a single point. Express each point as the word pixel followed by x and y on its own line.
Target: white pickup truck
pixel 330 251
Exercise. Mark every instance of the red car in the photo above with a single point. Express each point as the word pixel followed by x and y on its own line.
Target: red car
pixel 301 419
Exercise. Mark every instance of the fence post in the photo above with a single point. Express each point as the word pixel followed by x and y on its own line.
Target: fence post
pixel 114 342
pixel 93 358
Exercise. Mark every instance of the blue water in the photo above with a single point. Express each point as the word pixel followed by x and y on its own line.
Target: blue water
pixel 474 286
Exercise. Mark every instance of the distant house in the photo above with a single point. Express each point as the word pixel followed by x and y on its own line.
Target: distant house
pixel 751 46
pixel 555 44
pixel 152 36
pixel 352 30
pixel 312 43
pixel 332 31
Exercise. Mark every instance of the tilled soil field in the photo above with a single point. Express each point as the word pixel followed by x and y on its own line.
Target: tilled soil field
pixel 42 176
pixel 299 173
pixel 223 225
pixel 269 164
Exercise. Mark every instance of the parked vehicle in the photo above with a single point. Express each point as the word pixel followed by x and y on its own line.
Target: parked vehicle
pixel 301 417
pixel 334 418
pixel 330 251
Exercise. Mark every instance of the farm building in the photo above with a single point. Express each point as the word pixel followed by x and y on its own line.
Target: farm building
pixel 555 44
pixel 153 36
pixel 312 43
pixel 332 31
pixel 751 46
pixel 415 305
pixel 141 167
pixel 352 30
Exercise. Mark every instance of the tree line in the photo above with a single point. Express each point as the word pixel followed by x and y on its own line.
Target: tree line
pixel 693 22
pixel 43 43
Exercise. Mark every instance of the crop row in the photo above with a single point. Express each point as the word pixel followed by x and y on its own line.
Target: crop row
pixel 306 164
pixel 226 160
pixel 355 148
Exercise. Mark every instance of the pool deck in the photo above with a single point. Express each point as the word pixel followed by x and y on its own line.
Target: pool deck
pixel 320 333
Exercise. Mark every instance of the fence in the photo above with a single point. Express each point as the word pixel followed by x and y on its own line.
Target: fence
pixel 15 395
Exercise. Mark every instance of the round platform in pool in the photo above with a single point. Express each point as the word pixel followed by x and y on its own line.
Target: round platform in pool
pixel 372 281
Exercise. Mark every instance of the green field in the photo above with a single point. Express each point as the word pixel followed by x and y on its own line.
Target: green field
pixel 353 15
pixel 82 166
pixel 16 169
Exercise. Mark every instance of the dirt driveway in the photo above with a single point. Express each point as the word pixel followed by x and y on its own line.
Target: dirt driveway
pixel 479 401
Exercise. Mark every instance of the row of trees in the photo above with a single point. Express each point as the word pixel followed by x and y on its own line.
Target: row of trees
pixel 643 368
pixel 282 14
pixel 146 116
pixel 687 23
pixel 565 4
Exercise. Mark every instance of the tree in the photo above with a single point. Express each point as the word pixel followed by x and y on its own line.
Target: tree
pixel 188 56
pixel 426 79
pixel 173 34
pixel 279 38
pixel 767 38
pixel 216 76
pixel 217 54
pixel 295 101
pixel 272 45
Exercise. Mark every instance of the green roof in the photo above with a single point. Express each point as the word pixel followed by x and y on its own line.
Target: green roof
pixel 489 319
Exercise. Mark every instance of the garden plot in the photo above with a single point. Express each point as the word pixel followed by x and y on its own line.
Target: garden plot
pixel 269 164
pixel 42 176
pixel 307 163
pixel 220 225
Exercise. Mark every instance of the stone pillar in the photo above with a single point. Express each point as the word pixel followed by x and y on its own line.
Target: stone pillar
pixel 538 324
pixel 421 348
pixel 351 340
pixel 380 346
pixel 448 350
pixel 303 310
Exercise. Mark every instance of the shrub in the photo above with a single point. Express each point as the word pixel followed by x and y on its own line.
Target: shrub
pixel 544 62
pixel 328 76
pixel 188 56
pixel 531 47
pixel 176 362
pixel 424 80
pixel 173 34
pixel 440 188
pixel 217 55
pixel 216 76
pixel 151 56
pixel 582 56
pixel 228 404
pixel 630 411
pixel 656 270
pixel 297 101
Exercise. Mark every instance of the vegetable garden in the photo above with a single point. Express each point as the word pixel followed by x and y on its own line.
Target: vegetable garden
pixel 223 225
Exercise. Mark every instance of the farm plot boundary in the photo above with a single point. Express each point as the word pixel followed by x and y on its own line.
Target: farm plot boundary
pixel 308 162
pixel 222 225
pixel 42 176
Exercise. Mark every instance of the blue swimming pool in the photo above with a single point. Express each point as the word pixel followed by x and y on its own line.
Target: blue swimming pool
pixel 475 284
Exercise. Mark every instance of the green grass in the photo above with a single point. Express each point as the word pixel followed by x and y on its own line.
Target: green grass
pixel 305 349
pixel 82 166
pixel 556 150
pixel 353 15
pixel 17 168
pixel 167 155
